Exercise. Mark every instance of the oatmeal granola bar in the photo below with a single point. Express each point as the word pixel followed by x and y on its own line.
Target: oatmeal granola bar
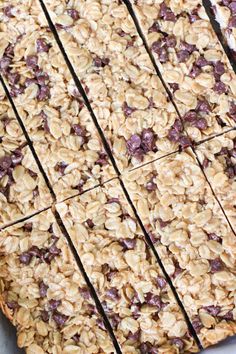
pixel 192 238
pixel 58 123
pixel 192 61
pixel 128 98
pixel 225 15
pixel 42 292
pixel 23 190
pixel 134 293
pixel 218 158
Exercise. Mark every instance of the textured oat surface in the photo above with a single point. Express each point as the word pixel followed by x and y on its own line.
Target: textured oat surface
pixel 125 274
pixel 53 112
pixel 43 293
pixel 192 238
pixel 192 61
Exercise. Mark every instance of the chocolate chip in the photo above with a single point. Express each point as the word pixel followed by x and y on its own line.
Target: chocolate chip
pixel 8 11
pixel 153 300
pixel 232 111
pixel 113 294
pixel 148 348
pixel 214 237
pixel 161 282
pixel 189 47
pixel 232 22
pixel 54 250
pixel 42 46
pixel 220 88
pixel 219 68
pixel 178 343
pixel 32 61
pixel 100 62
pixel 43 288
pixel 201 62
pixel 60 167
pixel 216 265
pixel 85 293
pixel 41 77
pixel 228 316
pixel 76 338
pixel 190 116
pixel 154 28
pixel 134 337
pixel 79 130
pixel 73 13
pixel 101 324
pixel 25 258
pixel 195 72
pixel 13 78
pixel 166 13
pixel 174 86
pixel 53 304
pixel 183 55
pixel 161 51
pixel 59 318
pixel 90 223
pixel 128 243
pixel 163 223
pixel 151 186
pixel 16 157
pixel 205 163
pixel 201 124
pixel 133 143
pixel 115 320
pixel 203 106
pixel 5 62
pixel 15 91
pixel 184 142
pixel 28 227
pixel 171 41
pixel 45 316
pixel 127 109
pixel 148 140
pixel 212 310
pixel 232 7
pixel 102 160
pixel 44 93
pixel 197 324
pixel 5 162
pixel 12 305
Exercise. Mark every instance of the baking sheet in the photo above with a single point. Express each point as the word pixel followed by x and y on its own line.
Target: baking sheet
pixel 8 341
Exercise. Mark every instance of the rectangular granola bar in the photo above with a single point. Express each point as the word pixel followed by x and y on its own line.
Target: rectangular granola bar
pixel 218 158
pixel 128 98
pixel 58 123
pixel 134 293
pixel 42 292
pixel 192 238
pixel 23 190
pixel 225 15
pixel 192 62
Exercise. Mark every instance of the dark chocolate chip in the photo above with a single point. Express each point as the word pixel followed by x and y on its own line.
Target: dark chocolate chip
pixel 59 318
pixel 43 288
pixel 73 13
pixel 42 46
pixel 25 258
pixel 53 304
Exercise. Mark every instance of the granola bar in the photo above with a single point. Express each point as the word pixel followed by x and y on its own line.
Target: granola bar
pixel 58 123
pixel 23 190
pixel 192 61
pixel 218 159
pixel 225 12
pixel 42 292
pixel 192 238
pixel 128 98
pixel 134 293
